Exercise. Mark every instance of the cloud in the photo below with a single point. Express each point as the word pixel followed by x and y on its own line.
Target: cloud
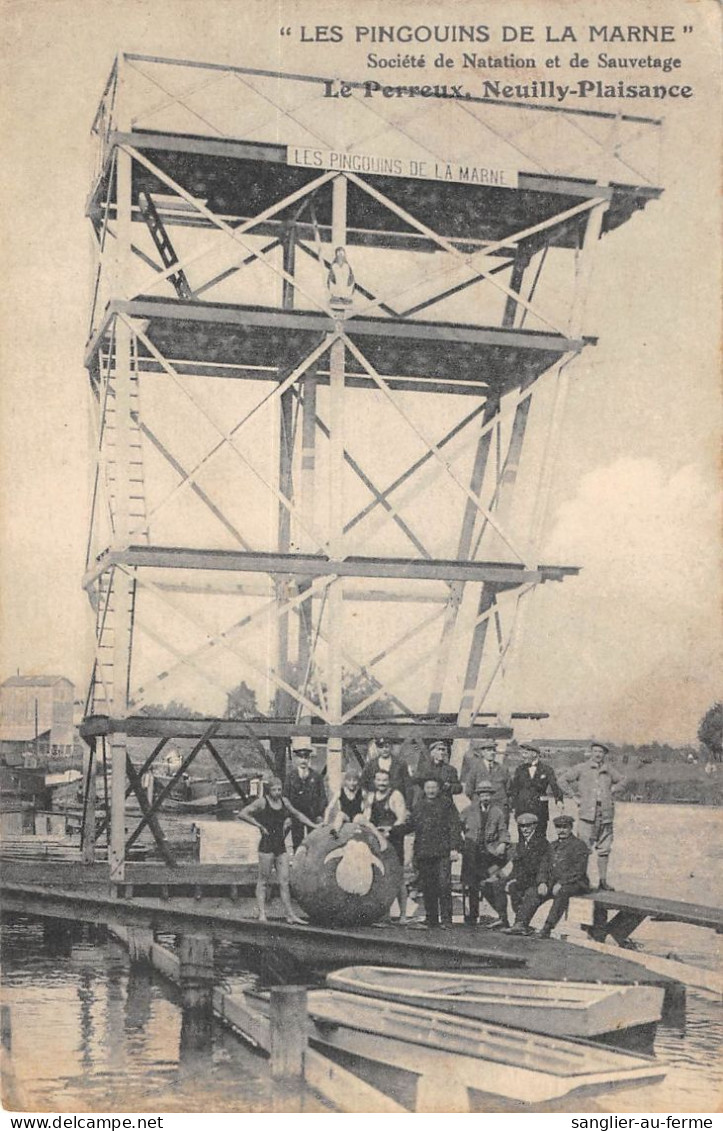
pixel 629 648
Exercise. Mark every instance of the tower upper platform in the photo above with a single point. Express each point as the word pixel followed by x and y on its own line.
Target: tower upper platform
pixel 471 168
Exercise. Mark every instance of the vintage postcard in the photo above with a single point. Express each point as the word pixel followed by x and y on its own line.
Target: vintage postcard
pixel 360 720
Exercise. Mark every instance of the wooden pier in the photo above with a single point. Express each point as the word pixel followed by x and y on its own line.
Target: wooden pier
pixel 282 953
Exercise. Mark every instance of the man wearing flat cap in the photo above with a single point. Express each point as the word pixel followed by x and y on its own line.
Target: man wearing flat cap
pixel 531 783
pixel 479 765
pixel 304 788
pixel 484 854
pixel 562 873
pixel 527 856
pixel 594 784
pixel 435 764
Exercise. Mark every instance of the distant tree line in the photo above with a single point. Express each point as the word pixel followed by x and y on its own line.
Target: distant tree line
pixel 710 732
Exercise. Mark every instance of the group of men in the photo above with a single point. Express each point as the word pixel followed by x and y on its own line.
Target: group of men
pixel 530 872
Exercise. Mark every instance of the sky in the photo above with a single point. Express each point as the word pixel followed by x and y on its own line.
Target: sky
pixel 629 649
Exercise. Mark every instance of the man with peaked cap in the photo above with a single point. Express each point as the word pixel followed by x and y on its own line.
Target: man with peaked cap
pixel 381 757
pixel 484 854
pixel 562 873
pixel 594 784
pixel 304 788
pixel 531 783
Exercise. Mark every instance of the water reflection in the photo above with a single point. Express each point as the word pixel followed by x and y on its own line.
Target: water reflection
pixel 90 1033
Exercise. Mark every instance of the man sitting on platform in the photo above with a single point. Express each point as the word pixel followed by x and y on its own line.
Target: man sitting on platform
pixel 527 856
pixel 484 854
pixel 562 873
pixel 348 803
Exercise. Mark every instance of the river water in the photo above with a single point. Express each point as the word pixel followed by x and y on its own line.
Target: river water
pixel 90 1034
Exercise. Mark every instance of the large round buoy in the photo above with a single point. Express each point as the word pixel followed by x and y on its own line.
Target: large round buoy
pixel 345 881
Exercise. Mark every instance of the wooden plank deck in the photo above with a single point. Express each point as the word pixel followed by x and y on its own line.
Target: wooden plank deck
pixel 140 878
pixel 285 952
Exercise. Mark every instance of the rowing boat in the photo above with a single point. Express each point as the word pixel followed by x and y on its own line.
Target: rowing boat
pixel 463 1055
pixel 624 1015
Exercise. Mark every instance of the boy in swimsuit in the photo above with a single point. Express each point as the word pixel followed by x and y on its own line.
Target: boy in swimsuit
pixel 269 814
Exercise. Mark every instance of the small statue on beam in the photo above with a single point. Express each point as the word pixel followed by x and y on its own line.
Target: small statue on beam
pixel 340 282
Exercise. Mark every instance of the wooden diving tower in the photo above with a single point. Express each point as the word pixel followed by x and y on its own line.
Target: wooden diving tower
pixel 291 492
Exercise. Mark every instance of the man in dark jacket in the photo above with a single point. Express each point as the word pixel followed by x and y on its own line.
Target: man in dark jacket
pixel 381 757
pixel 531 782
pixel 304 788
pixel 528 855
pixel 437 840
pixel 562 873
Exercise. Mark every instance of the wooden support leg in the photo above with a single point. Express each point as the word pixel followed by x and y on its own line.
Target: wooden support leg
pixel 289 1020
pixel 622 925
pixel 88 833
pixel 599 928
pixel 195 954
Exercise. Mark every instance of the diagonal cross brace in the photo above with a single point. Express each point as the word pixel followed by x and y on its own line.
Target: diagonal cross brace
pixel 430 445
pixel 236 234
pixel 232 632
pixel 380 498
pixel 228 436
pixel 412 469
pixel 144 768
pixel 240 653
pixel 199 491
pixel 153 823
pixel 470 260
pixel 150 814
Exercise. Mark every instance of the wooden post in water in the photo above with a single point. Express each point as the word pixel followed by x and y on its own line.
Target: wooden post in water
pixel 195 953
pixel 6 1028
pixel 289 1021
pixel 58 936
pixel 10 1091
pixel 139 942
